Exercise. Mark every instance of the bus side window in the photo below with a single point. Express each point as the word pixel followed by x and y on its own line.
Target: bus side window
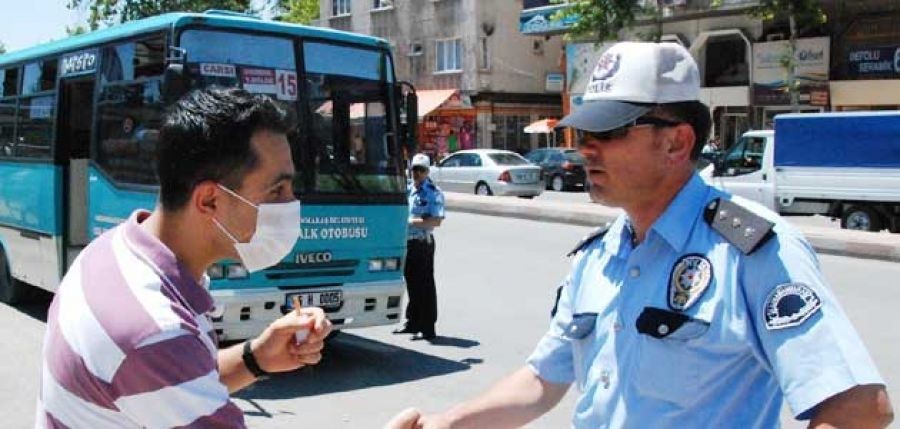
pixel 9 85
pixel 36 111
pixel 129 110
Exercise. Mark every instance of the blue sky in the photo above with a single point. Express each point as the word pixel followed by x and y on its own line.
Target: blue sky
pixel 25 23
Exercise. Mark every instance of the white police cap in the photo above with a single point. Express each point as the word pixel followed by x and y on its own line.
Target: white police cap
pixel 629 79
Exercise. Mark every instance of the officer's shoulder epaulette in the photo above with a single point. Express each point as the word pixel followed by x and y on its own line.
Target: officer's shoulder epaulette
pixel 739 226
pixel 590 238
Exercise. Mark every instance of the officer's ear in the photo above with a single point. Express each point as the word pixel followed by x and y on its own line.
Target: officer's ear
pixel 680 143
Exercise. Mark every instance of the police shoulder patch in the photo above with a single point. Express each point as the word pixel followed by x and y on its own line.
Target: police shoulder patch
pixel 590 238
pixel 691 276
pixel 790 304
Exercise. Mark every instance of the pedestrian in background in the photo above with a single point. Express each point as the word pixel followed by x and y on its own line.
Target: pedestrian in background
pixel 426 212
pixel 129 341
pixel 694 309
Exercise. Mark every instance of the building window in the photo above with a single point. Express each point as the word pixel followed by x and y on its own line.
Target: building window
pixel 340 7
pixel 381 4
pixel 448 55
pixel 485 58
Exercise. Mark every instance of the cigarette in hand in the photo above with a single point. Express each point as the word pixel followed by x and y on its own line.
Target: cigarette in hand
pixel 300 335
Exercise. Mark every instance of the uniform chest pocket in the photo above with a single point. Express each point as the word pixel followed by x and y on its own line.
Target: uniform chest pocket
pixel 667 347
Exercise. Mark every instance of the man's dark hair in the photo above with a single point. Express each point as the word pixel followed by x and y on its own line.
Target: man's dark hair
pixel 694 113
pixel 206 136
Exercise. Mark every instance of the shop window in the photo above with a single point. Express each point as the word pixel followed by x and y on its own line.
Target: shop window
pixel 35 127
pixel 39 76
pixel 509 133
pixel 9 82
pixel 134 60
pixel 726 63
pixel 448 55
pixel 129 118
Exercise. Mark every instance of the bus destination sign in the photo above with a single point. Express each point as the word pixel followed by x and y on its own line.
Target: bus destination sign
pixel 79 63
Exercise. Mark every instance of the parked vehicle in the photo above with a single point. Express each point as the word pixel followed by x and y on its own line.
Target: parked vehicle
pixel 561 168
pixel 488 172
pixel 842 165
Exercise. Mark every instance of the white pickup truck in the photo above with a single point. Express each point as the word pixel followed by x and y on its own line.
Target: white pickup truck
pixel 843 165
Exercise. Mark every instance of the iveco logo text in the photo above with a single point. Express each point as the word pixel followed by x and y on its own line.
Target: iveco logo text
pixel 314 258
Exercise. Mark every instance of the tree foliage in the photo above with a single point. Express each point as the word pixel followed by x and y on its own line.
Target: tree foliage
pixel 2 48
pixel 298 11
pixel 108 12
pixel 600 20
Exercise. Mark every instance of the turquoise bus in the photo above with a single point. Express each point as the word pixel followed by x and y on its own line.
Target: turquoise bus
pixel 79 122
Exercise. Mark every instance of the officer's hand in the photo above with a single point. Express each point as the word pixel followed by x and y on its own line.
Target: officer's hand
pixel 276 349
pixel 406 419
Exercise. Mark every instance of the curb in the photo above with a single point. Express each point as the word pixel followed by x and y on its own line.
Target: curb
pixel 831 241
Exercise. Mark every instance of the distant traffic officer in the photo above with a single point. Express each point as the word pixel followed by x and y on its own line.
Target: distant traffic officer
pixel 426 212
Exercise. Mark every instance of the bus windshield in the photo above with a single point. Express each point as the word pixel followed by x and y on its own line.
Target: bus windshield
pixel 349 145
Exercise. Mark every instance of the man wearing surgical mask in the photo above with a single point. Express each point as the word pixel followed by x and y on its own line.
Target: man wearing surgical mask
pixel 129 341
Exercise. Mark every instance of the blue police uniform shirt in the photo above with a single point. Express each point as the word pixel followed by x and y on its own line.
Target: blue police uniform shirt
pixel 764 329
pixel 425 201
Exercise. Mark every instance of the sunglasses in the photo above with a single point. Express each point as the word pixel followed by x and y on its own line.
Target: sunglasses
pixel 622 132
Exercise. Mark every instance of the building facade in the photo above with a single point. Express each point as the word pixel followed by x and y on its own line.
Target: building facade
pixel 851 62
pixel 480 81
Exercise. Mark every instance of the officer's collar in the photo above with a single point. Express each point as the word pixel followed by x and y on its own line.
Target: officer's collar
pixel 616 238
pixel 678 220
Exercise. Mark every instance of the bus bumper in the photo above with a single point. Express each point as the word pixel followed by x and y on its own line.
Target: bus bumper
pixel 244 313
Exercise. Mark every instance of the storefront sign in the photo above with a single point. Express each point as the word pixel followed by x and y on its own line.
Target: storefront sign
pixel 78 63
pixel 770 76
pixel 543 21
pixel 554 82
pixel 874 62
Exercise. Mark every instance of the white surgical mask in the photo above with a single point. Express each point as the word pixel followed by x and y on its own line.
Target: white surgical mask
pixel 277 230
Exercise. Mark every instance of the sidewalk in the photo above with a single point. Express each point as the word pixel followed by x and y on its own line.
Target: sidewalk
pixel 832 241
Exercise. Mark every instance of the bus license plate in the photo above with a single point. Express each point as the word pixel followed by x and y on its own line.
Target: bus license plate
pixel 326 299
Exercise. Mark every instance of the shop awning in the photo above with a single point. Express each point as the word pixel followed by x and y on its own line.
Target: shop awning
pixel 430 99
pixel 543 126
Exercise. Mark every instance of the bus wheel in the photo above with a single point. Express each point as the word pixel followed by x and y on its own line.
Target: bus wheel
pixel 861 218
pixel 11 291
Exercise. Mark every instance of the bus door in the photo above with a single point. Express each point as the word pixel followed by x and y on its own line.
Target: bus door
pixel 73 138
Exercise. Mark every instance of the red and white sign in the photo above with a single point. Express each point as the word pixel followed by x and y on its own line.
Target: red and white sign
pixel 286 84
pixel 260 81
pixel 218 70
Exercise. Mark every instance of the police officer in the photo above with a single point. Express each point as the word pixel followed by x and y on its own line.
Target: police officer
pixel 426 212
pixel 694 309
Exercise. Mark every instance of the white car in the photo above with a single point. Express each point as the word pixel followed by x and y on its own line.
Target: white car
pixel 488 172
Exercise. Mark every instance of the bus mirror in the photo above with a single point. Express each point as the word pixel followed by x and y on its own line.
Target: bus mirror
pixel 411 102
pixel 176 82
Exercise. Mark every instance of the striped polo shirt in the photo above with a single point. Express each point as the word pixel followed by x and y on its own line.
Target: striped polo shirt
pixel 128 342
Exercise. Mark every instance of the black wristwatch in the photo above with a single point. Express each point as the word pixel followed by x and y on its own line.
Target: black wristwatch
pixel 251 363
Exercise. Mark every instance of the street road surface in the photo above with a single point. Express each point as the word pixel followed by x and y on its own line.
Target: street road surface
pixel 496 281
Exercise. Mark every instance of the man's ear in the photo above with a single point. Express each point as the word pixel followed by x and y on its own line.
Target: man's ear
pixel 682 144
pixel 205 198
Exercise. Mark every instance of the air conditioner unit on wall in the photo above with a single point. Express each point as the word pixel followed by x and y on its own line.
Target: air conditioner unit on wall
pixel 414 49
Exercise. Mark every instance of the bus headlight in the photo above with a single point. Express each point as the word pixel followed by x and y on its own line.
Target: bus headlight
pixel 384 264
pixel 215 272
pixel 236 271
pixel 391 264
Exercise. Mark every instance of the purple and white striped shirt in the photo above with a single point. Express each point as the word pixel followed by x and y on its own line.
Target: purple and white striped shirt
pixel 128 342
